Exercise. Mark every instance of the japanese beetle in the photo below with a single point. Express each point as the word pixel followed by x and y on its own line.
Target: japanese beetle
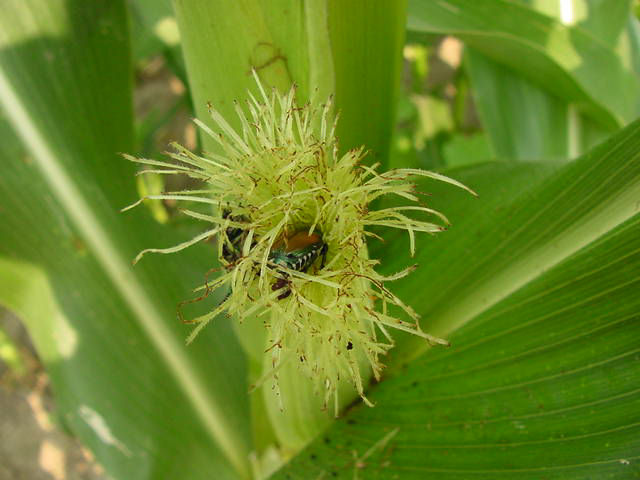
pixel 234 238
pixel 298 253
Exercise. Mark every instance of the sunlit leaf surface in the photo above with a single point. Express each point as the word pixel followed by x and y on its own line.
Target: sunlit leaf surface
pixel 125 384
pixel 541 377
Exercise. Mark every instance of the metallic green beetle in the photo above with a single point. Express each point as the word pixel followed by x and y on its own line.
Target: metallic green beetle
pixel 233 239
pixel 298 253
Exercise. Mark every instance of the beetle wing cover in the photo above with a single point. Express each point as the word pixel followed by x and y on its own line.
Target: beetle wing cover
pixel 301 240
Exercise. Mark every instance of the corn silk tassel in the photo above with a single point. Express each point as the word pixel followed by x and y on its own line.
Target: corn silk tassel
pixel 279 176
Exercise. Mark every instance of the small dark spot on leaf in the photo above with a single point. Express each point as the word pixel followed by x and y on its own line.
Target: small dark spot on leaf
pixel 327 440
pixel 313 456
pixel 79 246
pixel 349 346
pixel 351 421
pixel 414 384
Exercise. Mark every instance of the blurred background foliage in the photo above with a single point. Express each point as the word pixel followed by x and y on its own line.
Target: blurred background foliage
pixel 456 106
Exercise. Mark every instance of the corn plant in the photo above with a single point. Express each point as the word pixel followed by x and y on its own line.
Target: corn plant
pixel 518 357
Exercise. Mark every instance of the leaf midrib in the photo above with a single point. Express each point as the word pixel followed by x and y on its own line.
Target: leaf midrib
pixel 539 259
pixel 118 270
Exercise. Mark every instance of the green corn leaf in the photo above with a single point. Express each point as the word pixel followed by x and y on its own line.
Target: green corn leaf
pixel 367 38
pixel 606 20
pixel 222 42
pixel 324 47
pixel 526 121
pixel 538 297
pixel 124 381
pixel 562 59
pixel 154 27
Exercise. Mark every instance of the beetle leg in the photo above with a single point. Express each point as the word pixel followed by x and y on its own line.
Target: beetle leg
pixel 284 295
pixel 280 283
pixel 323 252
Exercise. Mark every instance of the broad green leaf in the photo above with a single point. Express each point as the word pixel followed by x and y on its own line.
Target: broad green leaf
pixel 325 47
pixel 604 19
pixel 563 59
pixel 633 36
pixel 224 41
pixel 125 384
pixel 523 121
pixel 526 121
pixel 462 150
pixel 366 39
pixel 538 296
pixel 155 32
pixel 154 27
pixel 541 385
pixel 500 246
